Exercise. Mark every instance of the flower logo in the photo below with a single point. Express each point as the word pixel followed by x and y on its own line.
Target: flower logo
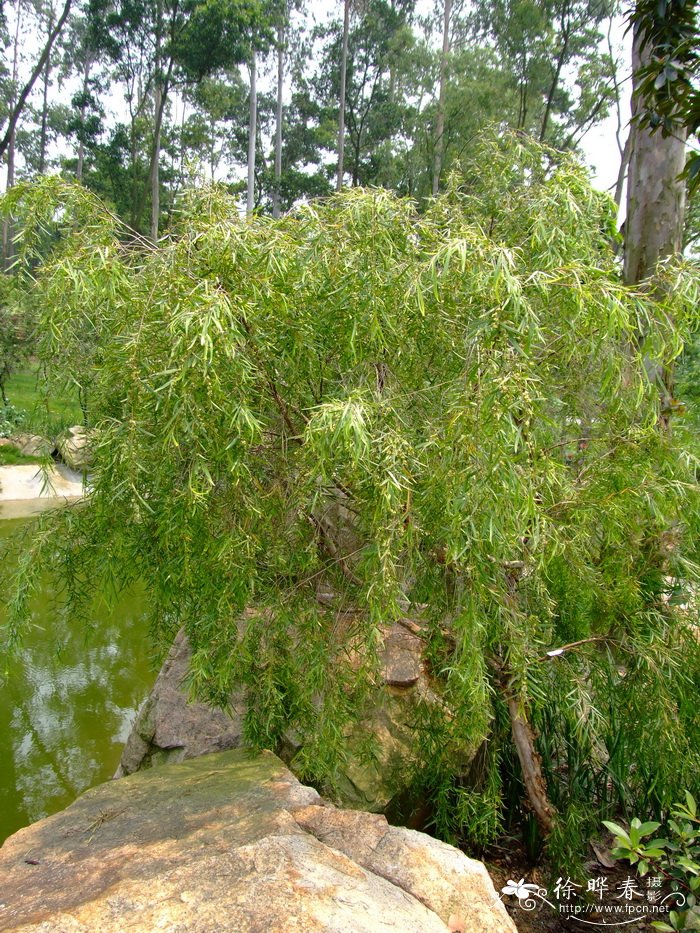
pixel 521 890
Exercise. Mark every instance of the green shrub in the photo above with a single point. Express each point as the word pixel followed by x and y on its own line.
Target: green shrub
pixel 12 420
pixel 467 388
pixel 673 854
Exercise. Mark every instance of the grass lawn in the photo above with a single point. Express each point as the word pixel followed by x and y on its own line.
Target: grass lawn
pixel 22 392
pixel 11 457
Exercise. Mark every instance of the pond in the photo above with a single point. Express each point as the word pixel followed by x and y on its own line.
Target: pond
pixel 67 702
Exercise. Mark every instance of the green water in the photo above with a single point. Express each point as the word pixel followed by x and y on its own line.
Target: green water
pixel 66 704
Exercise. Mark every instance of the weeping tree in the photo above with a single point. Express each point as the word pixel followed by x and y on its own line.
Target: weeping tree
pixel 466 388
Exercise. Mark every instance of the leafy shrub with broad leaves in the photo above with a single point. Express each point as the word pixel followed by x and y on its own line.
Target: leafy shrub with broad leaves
pixel 674 855
pixel 11 420
pixel 466 390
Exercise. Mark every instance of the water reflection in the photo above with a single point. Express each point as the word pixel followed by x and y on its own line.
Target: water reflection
pixel 67 702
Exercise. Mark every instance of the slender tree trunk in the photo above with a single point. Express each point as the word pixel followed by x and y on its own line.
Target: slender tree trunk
pixel 531 765
pixel 27 89
pixel 278 122
pixel 43 135
pixel 83 110
pixel 159 104
pixel 160 95
pixel 440 122
pixel 554 85
pixel 7 250
pixel 252 133
pixel 134 216
pixel 622 172
pixel 343 83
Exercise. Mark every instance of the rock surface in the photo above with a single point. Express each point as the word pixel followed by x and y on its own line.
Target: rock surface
pixel 23 489
pixel 170 728
pixel 30 445
pixel 227 843
pixel 73 447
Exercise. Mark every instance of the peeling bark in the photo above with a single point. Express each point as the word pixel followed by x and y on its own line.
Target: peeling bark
pixel 531 765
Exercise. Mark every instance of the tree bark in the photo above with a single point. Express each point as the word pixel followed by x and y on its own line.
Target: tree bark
pixel 531 765
pixel 43 135
pixel 440 121
pixel 278 122
pixel 252 132
pixel 555 82
pixel 7 231
pixel 159 103
pixel 83 109
pixel 343 83
pixel 655 208
pixel 655 193
pixel 16 111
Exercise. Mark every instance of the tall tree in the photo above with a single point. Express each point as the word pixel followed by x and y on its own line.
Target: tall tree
pixel 21 102
pixel 177 44
pixel 46 81
pixel 252 133
pixel 442 96
pixel 6 224
pixel 655 186
pixel 279 110
pixel 341 98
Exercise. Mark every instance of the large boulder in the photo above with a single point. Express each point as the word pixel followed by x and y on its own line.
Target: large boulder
pixel 29 445
pixel 73 447
pixel 170 726
pixel 230 843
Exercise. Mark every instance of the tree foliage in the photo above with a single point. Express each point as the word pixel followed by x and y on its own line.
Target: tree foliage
pixel 469 383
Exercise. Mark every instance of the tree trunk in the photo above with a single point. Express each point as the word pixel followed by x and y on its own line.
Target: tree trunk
pixel 7 250
pixel 27 89
pixel 343 83
pixel 531 765
pixel 159 103
pixel 83 110
pixel 43 135
pixel 278 122
pixel 554 85
pixel 655 207
pixel 655 193
pixel 252 132
pixel 440 122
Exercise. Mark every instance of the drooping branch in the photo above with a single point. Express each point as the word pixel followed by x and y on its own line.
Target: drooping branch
pixel 16 111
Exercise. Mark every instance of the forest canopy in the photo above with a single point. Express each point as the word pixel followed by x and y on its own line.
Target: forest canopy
pixel 444 416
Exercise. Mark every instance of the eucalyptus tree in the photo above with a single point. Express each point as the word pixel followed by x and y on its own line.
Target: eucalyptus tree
pixel 442 95
pixel 282 45
pixel 20 102
pixel 468 385
pixel 342 95
pixel 160 45
pixel 667 70
pixel 549 49
pixel 378 56
pixel 212 133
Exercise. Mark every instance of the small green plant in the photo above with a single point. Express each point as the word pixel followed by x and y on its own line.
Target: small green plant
pixel 675 855
pixel 11 419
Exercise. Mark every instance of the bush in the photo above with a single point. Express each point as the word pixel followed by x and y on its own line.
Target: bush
pixel 446 416
pixel 11 420
pixel 674 855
